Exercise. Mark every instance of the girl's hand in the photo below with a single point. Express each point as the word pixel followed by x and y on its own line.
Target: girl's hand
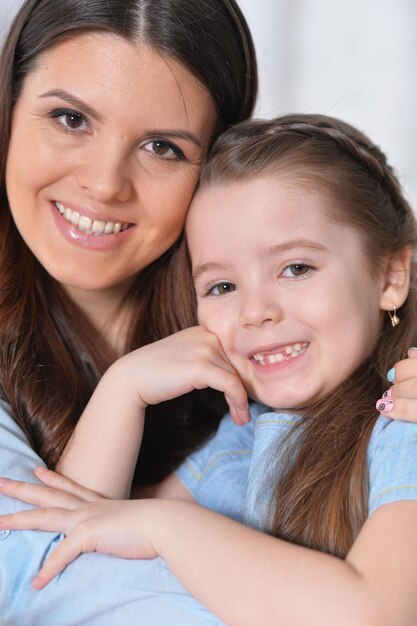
pixel 190 359
pixel 400 400
pixel 90 522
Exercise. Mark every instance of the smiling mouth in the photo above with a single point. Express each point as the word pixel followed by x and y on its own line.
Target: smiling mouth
pixel 85 225
pixel 285 353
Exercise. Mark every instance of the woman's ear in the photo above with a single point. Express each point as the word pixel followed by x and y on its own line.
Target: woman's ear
pixel 396 279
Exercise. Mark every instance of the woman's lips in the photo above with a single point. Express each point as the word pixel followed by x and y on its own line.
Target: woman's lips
pixel 87 239
pixel 88 226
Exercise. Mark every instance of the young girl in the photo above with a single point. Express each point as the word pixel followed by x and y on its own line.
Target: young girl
pixel 301 245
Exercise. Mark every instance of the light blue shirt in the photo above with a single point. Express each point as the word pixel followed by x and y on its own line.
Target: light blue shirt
pixel 230 474
pixel 234 472
pixel 96 589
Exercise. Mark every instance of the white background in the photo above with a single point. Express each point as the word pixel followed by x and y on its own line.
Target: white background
pixel 354 59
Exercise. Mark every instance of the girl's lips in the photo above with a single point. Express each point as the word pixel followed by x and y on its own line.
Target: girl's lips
pixel 86 239
pixel 278 354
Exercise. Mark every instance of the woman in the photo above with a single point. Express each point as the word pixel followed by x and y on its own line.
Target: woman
pixel 107 111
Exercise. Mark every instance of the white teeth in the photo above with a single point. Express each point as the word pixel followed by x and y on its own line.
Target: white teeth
pixel 75 218
pixel 287 352
pixel 86 225
pixel 98 227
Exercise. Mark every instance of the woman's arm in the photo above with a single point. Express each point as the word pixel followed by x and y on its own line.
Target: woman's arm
pixel 243 576
pixel 103 449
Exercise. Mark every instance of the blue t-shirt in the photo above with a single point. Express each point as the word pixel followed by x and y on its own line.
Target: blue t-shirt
pixel 234 472
pixel 228 474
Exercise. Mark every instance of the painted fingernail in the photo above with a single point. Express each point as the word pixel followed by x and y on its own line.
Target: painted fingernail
pixel 391 375
pixel 385 405
pixel 387 393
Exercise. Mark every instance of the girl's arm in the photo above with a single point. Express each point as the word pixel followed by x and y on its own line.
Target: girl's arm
pixel 109 432
pixel 243 576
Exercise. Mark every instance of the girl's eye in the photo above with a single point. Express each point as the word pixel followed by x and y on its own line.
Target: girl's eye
pixel 165 150
pixel 295 270
pixel 70 120
pixel 221 289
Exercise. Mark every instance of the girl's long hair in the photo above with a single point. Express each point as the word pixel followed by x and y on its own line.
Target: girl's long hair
pixel 51 357
pixel 320 497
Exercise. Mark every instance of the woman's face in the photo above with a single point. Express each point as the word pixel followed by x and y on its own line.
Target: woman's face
pixel 106 149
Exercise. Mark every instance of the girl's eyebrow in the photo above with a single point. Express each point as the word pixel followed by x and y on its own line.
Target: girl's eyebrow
pixel 290 245
pixel 264 253
pixel 91 112
pixel 73 101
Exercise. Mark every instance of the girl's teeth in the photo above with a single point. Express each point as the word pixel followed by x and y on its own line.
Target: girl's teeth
pixel 85 224
pixel 289 352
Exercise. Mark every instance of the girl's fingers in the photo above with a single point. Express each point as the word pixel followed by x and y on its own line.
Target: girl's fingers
pixel 405 389
pixel 64 484
pixel 234 392
pixel 39 495
pixel 407 368
pixel 398 408
pixel 65 552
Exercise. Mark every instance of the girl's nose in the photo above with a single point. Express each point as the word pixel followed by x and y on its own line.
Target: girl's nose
pixel 259 310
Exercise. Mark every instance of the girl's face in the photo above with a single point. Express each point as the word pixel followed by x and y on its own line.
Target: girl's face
pixel 287 289
pixel 106 149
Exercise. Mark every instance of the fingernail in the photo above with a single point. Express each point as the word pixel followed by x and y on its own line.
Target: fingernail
pixel 387 393
pixel 391 375
pixel 385 405
pixel 3 482
pixel 412 351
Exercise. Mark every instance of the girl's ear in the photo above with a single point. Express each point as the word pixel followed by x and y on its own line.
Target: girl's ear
pixel 396 280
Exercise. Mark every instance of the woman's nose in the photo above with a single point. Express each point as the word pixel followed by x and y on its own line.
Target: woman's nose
pixel 259 310
pixel 104 173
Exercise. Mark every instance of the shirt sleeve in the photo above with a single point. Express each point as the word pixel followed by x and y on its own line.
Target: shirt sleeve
pixel 216 475
pixel 392 462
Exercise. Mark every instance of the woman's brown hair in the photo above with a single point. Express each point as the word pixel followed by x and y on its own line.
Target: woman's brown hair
pixel 320 498
pixel 51 358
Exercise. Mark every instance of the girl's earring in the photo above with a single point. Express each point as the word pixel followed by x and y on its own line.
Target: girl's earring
pixel 395 320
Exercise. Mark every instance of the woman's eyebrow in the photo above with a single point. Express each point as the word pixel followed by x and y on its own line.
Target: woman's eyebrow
pixel 176 134
pixel 73 101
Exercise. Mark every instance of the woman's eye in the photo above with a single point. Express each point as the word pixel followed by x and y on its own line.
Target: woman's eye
pixel 70 120
pixel 221 289
pixel 295 270
pixel 165 150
